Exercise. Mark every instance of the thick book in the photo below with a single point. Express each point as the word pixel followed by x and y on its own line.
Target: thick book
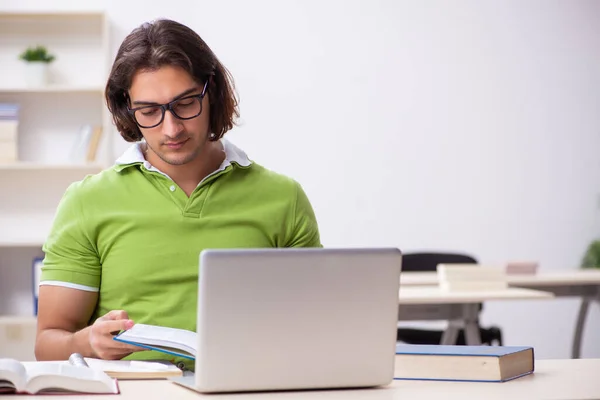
pixel 463 363
pixel 52 377
pixel 470 277
pixel 174 341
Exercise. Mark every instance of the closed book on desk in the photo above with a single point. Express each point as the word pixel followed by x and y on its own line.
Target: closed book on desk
pixel 463 363
pixel 131 369
pixel 52 377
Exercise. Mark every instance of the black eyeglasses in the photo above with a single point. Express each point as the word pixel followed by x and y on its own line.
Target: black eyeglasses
pixel 187 107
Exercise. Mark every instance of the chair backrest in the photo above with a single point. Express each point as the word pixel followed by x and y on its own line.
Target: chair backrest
pixel 428 261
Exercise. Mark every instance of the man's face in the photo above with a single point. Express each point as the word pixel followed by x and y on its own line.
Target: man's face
pixel 174 141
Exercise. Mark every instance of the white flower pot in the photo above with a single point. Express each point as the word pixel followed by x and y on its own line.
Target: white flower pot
pixel 36 73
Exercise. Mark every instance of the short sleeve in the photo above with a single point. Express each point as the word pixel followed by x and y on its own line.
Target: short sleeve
pixel 304 231
pixel 70 258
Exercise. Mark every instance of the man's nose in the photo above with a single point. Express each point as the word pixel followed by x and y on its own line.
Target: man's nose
pixel 171 126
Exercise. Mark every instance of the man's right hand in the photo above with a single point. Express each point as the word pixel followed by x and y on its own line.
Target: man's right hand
pixel 101 335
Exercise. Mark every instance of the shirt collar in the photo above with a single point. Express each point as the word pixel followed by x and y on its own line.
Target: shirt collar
pixel 134 155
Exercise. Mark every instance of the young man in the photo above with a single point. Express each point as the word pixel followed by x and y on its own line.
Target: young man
pixel 125 243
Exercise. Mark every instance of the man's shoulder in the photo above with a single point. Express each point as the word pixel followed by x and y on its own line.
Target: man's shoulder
pixel 265 177
pixel 93 186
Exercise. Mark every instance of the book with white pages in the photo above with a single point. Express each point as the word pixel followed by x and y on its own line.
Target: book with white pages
pixel 471 277
pixel 133 369
pixel 52 377
pixel 174 341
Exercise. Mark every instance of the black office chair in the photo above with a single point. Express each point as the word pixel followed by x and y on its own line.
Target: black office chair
pixel 423 262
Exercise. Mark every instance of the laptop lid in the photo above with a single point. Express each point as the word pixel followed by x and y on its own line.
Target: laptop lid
pixel 296 318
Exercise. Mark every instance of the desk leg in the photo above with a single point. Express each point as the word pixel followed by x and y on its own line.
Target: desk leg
pixel 471 315
pixel 583 308
pixel 581 316
pixel 469 322
pixel 450 335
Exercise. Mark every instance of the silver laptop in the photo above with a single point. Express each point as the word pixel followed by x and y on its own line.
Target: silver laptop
pixel 293 319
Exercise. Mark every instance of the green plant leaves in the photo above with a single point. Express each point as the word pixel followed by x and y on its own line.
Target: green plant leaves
pixel 37 53
pixel 591 259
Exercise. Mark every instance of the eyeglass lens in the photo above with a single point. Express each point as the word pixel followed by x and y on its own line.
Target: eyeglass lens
pixel 185 108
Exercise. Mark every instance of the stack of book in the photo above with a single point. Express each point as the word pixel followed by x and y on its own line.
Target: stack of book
pixel 470 277
pixel 9 122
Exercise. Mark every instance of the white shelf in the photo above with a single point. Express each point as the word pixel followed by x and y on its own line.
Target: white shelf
pixel 50 14
pixel 53 89
pixel 51 124
pixel 28 230
pixel 41 167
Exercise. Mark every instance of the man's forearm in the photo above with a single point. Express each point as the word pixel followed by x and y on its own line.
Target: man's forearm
pixel 59 344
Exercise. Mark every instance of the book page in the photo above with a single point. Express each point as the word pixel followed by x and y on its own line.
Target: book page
pixel 162 336
pixel 61 368
pixel 133 369
pixel 129 365
pixel 58 376
pixel 12 375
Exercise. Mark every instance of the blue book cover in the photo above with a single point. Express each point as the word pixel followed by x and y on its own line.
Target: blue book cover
pixel 36 272
pixel 458 350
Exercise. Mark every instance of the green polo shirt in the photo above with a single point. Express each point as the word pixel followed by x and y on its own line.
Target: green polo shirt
pixel 135 237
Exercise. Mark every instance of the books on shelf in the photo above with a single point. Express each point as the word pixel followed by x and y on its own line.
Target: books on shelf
pixel 86 144
pixel 9 124
pixel 37 264
pixel 174 341
pixel 53 377
pixel 463 363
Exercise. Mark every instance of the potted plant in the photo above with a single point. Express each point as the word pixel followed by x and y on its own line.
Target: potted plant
pixel 591 258
pixel 37 59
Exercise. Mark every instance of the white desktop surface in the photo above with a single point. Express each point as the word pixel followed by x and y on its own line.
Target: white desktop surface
pixel 435 295
pixel 552 380
pixel 540 279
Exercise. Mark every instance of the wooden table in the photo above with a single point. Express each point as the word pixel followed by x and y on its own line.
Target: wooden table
pixel 460 309
pixel 552 380
pixel 570 283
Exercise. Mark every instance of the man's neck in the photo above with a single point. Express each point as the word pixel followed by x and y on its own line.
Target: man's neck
pixel 189 175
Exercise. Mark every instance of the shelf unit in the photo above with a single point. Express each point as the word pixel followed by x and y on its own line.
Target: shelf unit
pixel 51 118
pixel 34 166
pixel 51 88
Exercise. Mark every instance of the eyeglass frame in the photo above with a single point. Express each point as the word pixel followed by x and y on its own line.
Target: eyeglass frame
pixel 169 107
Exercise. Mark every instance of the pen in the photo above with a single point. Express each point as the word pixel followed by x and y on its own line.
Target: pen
pixel 77 360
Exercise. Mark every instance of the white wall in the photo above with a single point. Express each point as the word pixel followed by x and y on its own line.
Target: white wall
pixel 461 125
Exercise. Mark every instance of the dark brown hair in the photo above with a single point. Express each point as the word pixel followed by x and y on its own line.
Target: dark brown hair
pixel 165 42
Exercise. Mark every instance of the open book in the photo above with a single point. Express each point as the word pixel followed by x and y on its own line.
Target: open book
pixel 58 377
pixel 179 342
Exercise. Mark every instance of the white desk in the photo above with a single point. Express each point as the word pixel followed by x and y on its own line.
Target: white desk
pixel 460 309
pixel 434 295
pixel 572 283
pixel 552 380
pixel 539 280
